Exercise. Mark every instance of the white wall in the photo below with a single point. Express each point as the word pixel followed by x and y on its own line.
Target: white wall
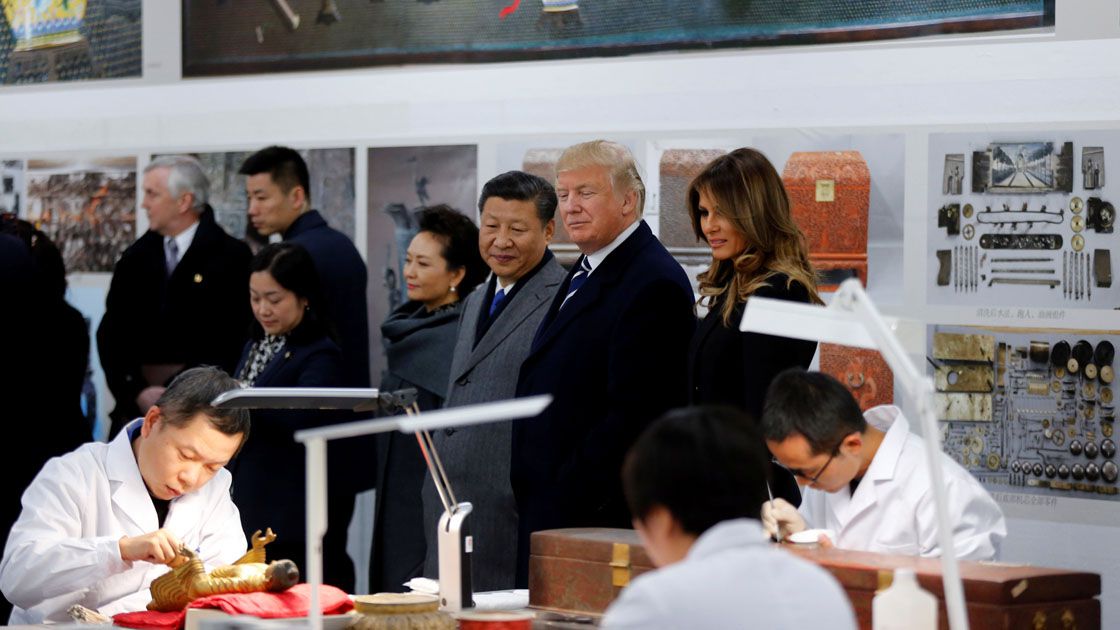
pixel 1068 79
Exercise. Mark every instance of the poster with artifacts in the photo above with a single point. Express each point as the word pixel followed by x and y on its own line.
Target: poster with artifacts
pixel 1027 230
pixel 87 206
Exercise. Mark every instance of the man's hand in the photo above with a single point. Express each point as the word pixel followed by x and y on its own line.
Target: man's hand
pixel 158 547
pixel 148 397
pixel 780 519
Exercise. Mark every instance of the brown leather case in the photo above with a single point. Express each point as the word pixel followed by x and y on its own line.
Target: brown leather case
pixel 864 372
pixel 830 195
pixel 580 571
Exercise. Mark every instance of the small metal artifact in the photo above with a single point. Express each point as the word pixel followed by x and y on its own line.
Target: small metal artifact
pixel 188 580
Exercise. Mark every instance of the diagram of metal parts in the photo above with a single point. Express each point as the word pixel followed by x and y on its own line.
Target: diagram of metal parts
pixel 1029 410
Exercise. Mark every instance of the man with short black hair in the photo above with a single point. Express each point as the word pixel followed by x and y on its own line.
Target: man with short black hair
pixel 865 476
pixel 691 482
pixel 496 327
pixel 100 523
pixel 179 296
pixel 279 191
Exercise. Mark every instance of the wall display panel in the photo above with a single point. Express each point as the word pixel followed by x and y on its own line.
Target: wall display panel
pixel 87 206
pixel 1028 220
pixel 1029 410
pixel 13 188
pixel 222 37
pixel 332 190
pixel 69 40
pixel 403 181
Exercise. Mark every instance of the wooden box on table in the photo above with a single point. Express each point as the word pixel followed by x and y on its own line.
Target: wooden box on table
pixel 581 571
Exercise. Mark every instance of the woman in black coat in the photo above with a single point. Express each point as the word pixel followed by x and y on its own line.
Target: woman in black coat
pixel 291 346
pixel 442 264
pixel 739 206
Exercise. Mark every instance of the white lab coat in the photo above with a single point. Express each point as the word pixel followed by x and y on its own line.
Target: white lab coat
pixel 892 510
pixel 64 549
pixel 733 578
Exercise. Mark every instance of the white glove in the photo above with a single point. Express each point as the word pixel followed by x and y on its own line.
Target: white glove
pixel 780 518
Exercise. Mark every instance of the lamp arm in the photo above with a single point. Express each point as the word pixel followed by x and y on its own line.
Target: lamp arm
pixel 851 296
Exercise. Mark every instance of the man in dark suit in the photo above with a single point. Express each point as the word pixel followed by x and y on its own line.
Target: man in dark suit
pixel 612 350
pixel 496 328
pixel 179 297
pixel 279 190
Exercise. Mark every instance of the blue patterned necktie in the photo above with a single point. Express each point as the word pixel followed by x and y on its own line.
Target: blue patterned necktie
pixel 499 297
pixel 172 251
pixel 578 279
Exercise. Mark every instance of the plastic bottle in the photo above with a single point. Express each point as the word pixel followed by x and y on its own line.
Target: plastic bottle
pixel 904 605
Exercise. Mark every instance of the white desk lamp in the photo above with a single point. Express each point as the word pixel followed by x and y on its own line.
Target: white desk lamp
pixel 315 443
pixel 852 320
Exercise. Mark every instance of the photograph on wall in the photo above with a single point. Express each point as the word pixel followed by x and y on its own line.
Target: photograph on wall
pixel 86 206
pixel 13 189
pixel 254 36
pixel 954 174
pixel 1092 167
pixel 43 41
pixel 402 182
pixel 1028 410
pixel 1028 237
pixel 332 190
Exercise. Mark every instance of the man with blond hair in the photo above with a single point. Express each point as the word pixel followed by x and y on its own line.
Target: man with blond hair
pixel 612 350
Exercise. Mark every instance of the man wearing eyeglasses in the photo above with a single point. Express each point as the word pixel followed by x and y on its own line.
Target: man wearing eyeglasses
pixel 865 476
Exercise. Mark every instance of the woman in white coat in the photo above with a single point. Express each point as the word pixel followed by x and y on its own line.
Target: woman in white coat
pixel 100 523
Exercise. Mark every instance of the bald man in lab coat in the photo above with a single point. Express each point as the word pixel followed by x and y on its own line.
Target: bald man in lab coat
pixel 100 523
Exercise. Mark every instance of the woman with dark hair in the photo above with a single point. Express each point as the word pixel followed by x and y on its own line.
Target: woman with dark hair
pixel 443 265
pixel 43 365
pixel 739 207
pixel 291 345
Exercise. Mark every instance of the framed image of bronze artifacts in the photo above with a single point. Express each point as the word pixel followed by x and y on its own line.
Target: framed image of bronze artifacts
pixel 69 40
pixel 222 37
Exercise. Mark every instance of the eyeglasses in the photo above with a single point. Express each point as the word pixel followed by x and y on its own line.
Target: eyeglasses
pixel 812 479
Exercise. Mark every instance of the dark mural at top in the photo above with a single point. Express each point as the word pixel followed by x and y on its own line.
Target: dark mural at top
pixel 245 36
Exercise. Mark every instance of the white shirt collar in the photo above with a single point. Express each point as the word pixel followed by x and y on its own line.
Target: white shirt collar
pixel 596 258
pixel 504 287
pixel 183 239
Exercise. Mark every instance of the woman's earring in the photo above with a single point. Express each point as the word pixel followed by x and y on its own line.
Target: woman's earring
pixel 453 288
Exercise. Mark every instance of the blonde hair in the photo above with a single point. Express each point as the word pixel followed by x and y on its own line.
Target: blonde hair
pixel 748 191
pixel 622 167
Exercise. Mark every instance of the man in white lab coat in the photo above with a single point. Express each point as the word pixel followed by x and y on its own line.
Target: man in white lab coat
pixel 100 523
pixel 865 475
pixel 692 484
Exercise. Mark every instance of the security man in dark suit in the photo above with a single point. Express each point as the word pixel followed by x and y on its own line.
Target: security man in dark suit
pixel 179 295
pixel 612 350
pixel 279 190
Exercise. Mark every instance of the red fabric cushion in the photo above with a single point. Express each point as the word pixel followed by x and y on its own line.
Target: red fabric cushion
pixel 294 602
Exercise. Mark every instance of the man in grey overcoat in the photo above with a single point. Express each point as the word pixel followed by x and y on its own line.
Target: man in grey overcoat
pixel 496 329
